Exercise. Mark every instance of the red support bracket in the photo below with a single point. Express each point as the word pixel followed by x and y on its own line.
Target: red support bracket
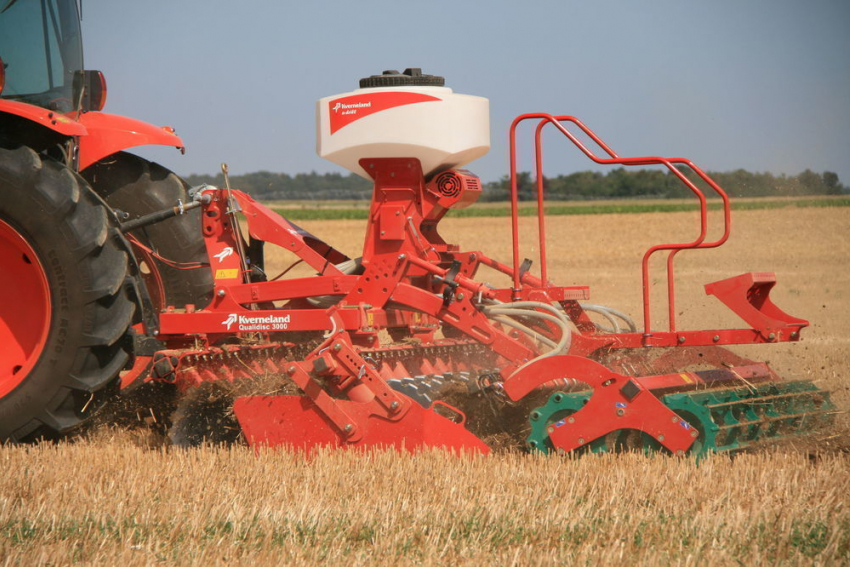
pixel 620 402
pixel 617 402
pixel 748 295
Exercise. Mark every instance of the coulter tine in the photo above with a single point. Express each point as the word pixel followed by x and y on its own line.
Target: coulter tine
pixel 425 367
pixel 271 367
pixel 440 366
pixel 400 371
pixel 386 372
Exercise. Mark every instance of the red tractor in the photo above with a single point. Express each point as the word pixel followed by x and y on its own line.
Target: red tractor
pixel 116 277
pixel 73 285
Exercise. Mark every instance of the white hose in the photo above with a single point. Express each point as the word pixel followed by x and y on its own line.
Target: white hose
pixel 614 328
pixel 504 312
pixel 527 330
pixel 612 315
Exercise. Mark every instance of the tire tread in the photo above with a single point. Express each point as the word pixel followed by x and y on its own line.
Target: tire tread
pixel 93 366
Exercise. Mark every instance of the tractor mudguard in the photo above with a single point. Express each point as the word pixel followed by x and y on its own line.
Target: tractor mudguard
pixel 51 119
pixel 110 133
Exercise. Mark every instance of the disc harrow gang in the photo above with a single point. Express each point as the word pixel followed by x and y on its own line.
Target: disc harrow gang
pixel 426 389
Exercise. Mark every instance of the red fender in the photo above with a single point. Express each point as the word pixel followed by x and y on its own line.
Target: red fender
pixel 99 134
pixel 48 118
pixel 110 133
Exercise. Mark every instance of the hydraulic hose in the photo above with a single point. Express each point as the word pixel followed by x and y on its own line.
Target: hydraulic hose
pixel 612 315
pixel 506 312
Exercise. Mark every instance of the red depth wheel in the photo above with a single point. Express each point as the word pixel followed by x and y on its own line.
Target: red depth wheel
pixel 24 308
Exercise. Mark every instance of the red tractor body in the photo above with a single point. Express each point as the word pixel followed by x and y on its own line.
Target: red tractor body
pixel 72 279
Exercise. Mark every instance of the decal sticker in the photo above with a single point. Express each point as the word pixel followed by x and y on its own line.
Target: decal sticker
pixel 344 111
pixel 257 323
pixel 229 321
pixel 224 254
pixel 687 379
pixel 227 274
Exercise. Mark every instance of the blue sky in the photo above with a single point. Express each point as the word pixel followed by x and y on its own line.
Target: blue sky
pixel 762 85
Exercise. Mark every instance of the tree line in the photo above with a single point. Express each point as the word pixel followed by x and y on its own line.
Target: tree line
pixel 618 183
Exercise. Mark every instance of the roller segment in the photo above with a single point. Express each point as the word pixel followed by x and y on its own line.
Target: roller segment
pixel 724 420
pixel 560 406
pixel 734 419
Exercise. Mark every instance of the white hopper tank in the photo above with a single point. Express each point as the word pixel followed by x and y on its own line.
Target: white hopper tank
pixel 403 115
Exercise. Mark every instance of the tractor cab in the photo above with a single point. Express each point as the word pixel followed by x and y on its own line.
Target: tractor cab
pixel 42 57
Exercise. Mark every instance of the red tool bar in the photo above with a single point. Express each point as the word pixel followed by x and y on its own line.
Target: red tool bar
pixel 700 338
pixel 241 320
pixel 613 159
pixel 462 281
pixel 527 278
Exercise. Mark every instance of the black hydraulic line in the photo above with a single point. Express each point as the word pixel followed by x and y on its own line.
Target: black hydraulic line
pixel 160 216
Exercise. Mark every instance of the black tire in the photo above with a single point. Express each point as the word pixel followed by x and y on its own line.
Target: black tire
pixel 84 261
pixel 139 187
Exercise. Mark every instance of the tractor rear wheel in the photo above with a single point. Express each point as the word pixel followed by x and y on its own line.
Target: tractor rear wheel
pixel 64 305
pixel 138 187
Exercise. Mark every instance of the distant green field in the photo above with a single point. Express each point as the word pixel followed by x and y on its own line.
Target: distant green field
pixel 329 210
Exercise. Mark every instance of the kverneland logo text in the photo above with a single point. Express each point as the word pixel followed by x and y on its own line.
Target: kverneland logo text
pixel 340 106
pixel 344 111
pixel 264 323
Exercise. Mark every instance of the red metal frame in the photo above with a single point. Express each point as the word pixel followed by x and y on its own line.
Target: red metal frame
pixel 614 159
pixel 411 282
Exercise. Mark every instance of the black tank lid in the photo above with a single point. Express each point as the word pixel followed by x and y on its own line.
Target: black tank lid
pixel 411 77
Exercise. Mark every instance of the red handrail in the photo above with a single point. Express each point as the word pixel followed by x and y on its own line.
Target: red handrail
pixel 614 159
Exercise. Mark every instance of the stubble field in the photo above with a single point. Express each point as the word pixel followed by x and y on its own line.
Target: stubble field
pixel 116 496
